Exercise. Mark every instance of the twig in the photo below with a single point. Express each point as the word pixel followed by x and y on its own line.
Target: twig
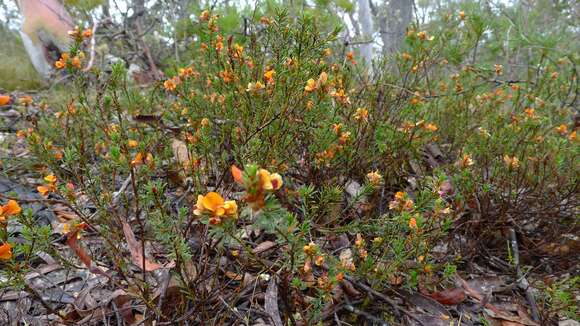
pixel 117 194
pixel 366 315
pixel 92 51
pixel 383 297
pixel 522 281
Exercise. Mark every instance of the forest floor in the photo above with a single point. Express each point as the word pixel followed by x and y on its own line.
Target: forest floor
pixel 491 288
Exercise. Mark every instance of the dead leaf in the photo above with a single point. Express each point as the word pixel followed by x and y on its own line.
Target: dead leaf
pixel 72 242
pixel 234 276
pixel 508 319
pixel 137 251
pixel 271 303
pixel 449 297
pixel 264 246
pixel 180 152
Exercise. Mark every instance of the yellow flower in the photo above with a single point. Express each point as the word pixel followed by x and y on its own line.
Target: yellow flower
pixel 59 64
pixel 327 52
pixel 170 84
pixel 413 223
pixel 255 87
pixel 310 85
pixel 51 178
pixel 572 136
pixel 498 69
pixel 465 161
pixel 269 75
pixel 423 36
pixel 361 114
pixel 511 161
pixel 214 204
pixel 309 249
pixel 76 62
pixel 406 56
pixel 374 178
pixel 276 180
pixel 562 129
pixel 204 15
pixel 431 127
pixel 5 251
pixel 344 138
pixel 132 143
pixel 10 209
pixel 337 127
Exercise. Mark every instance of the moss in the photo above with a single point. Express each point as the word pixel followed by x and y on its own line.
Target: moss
pixel 16 70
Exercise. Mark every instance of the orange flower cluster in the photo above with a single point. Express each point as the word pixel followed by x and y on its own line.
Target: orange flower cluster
pixel 171 84
pixel 257 186
pixel 402 202
pixel 66 61
pixel 50 186
pixel 313 85
pixel 10 209
pixel 214 206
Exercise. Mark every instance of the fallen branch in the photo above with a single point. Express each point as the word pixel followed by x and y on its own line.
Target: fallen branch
pixel 521 279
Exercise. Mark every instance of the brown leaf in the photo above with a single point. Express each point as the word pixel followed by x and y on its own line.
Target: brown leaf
pixel 449 297
pixel 72 242
pixel 264 246
pixel 271 303
pixel 180 152
pixel 137 251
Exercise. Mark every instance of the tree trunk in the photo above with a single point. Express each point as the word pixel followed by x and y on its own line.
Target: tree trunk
pixel 366 22
pixel 394 17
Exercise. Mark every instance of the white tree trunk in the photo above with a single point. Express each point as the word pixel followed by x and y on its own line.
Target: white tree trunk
pixel 394 17
pixel 366 21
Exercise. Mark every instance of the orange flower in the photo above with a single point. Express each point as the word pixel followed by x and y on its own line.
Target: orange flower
pixel 350 57
pixel 76 62
pixel 562 129
pixel 312 85
pixel 51 178
pixel 237 174
pixel 5 251
pixel 132 143
pixel 374 178
pixel 309 249
pixel 413 223
pixel 59 64
pixel 87 33
pixel 572 136
pixel 255 87
pixel 465 161
pixel 462 15
pixel 10 209
pixel 361 114
pixel 511 161
pixel 215 205
pixel 269 76
pixel 265 20
pixel 401 202
pixel 204 15
pixel 431 127
pixel 25 100
pixel 4 100
pixel 138 159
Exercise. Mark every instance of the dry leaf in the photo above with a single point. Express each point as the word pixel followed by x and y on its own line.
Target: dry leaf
pixel 264 246
pixel 137 251
pixel 180 152
pixel 449 297
pixel 72 242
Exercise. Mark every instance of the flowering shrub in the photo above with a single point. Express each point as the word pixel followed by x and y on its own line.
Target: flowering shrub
pixel 389 164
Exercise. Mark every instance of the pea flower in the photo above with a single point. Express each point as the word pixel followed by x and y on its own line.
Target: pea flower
pixel 5 251
pixel 10 209
pixel 214 205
